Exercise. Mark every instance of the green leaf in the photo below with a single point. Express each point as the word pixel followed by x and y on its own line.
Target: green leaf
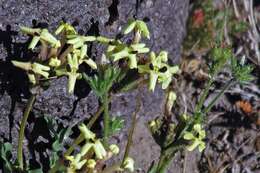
pixel 6 155
pixel 59 136
pixel 130 26
pixel 116 124
pixel 104 80
pixel 239 26
pixel 219 58
pixel 39 170
pixel 241 72
pixel 152 168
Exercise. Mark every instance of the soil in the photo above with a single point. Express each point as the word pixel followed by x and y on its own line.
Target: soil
pixel 230 133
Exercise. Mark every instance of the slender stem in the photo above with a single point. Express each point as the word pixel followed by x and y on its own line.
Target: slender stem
pixel 106 118
pixel 167 154
pixel 161 164
pixel 164 160
pixel 80 138
pixel 131 130
pixel 22 128
pixel 65 53
pixel 208 108
pixel 204 95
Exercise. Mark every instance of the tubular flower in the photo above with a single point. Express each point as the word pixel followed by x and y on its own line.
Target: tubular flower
pixel 119 51
pixel 99 149
pixel 78 41
pixel 92 145
pixel 139 26
pixel 86 132
pixel 41 34
pixel 72 71
pixel 196 137
pixel 67 28
pixel 75 162
pixel 104 40
pixel 74 60
pixel 114 149
pixel 54 62
pixel 158 70
pixel 32 69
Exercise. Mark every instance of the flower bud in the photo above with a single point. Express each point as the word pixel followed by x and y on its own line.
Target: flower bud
pixel 99 149
pixel 54 62
pixel 86 148
pixel 40 69
pixel 114 149
pixel 86 132
pixel 170 100
pixel 129 164
pixel 91 163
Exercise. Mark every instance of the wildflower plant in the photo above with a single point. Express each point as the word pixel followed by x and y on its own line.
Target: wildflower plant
pixel 189 133
pixel 158 70
pixel 63 53
pixel 196 137
pixel 93 152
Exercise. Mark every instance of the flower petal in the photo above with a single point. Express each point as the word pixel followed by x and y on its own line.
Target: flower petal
pixel 153 80
pixel 130 26
pixel 188 136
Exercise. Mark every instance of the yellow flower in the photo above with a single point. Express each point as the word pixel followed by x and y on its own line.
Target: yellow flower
pixel 158 70
pixel 196 137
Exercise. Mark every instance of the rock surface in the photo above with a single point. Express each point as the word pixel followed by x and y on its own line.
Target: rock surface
pixel 166 20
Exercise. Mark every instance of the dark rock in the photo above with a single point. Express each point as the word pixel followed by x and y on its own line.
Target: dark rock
pixel 165 19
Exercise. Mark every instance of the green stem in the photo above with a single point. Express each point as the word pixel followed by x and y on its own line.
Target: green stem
pixel 164 160
pixel 208 108
pixel 81 138
pixel 22 128
pixel 162 164
pixel 106 117
pixel 167 154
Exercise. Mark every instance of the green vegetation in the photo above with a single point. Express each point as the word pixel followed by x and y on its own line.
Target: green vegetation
pixel 65 51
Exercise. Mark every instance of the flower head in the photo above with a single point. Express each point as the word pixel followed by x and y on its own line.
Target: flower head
pixel 114 149
pixel 138 25
pixel 54 62
pixel 65 27
pixel 196 137
pixel 129 164
pixel 40 34
pixel 119 51
pixel 32 69
pixel 74 60
pixel 158 70
pixel 75 162
pixel 78 41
